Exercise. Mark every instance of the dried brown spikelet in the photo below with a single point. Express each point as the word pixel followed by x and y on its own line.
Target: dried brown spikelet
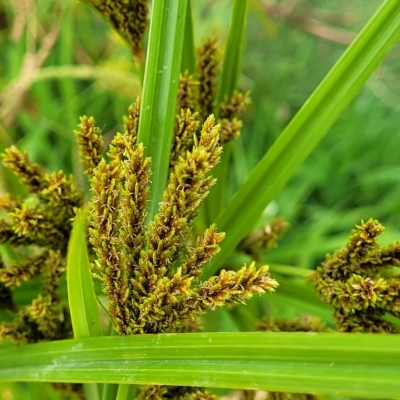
pixel 31 174
pixel 207 70
pixel 356 282
pixel 90 143
pixel 186 127
pixel 265 238
pixel 128 18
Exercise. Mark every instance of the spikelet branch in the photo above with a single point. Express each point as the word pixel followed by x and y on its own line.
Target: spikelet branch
pixel 90 142
pixel 31 174
pixel 207 70
pixel 356 281
pixel 128 18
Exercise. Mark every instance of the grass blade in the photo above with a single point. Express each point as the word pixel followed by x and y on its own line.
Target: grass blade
pixel 352 365
pixel 230 73
pixel 81 296
pixel 158 108
pixel 188 54
pixel 308 127
pixel 233 53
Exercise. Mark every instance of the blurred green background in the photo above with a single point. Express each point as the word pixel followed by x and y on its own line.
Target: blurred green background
pixel 58 60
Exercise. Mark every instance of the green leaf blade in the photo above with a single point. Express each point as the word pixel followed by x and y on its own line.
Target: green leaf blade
pixel 81 296
pixel 325 363
pixel 158 107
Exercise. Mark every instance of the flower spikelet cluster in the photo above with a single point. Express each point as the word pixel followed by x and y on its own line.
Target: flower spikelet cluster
pixel 127 17
pixel 149 272
pixel 197 100
pixel 265 238
pixel 36 229
pixel 357 281
pixel 45 217
pixel 186 127
pixel 45 318
pixel 207 71
pixel 90 141
pixel 188 92
pixel 230 109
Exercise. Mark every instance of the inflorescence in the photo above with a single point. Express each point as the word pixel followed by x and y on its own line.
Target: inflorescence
pixel 149 272
pixel 359 282
pixel 34 233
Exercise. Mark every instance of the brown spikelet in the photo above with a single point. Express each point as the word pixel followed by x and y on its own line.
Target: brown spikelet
pixel 229 113
pixel 188 92
pixel 264 238
pixel 31 174
pixel 127 17
pixel 207 70
pixel 355 281
pixel 185 129
pixel 90 142
pixel 131 122
pixel 235 287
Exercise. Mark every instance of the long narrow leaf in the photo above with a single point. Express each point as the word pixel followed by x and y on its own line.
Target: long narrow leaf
pixel 158 108
pixel 81 296
pixel 188 54
pixel 341 364
pixel 233 53
pixel 231 66
pixel 308 127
